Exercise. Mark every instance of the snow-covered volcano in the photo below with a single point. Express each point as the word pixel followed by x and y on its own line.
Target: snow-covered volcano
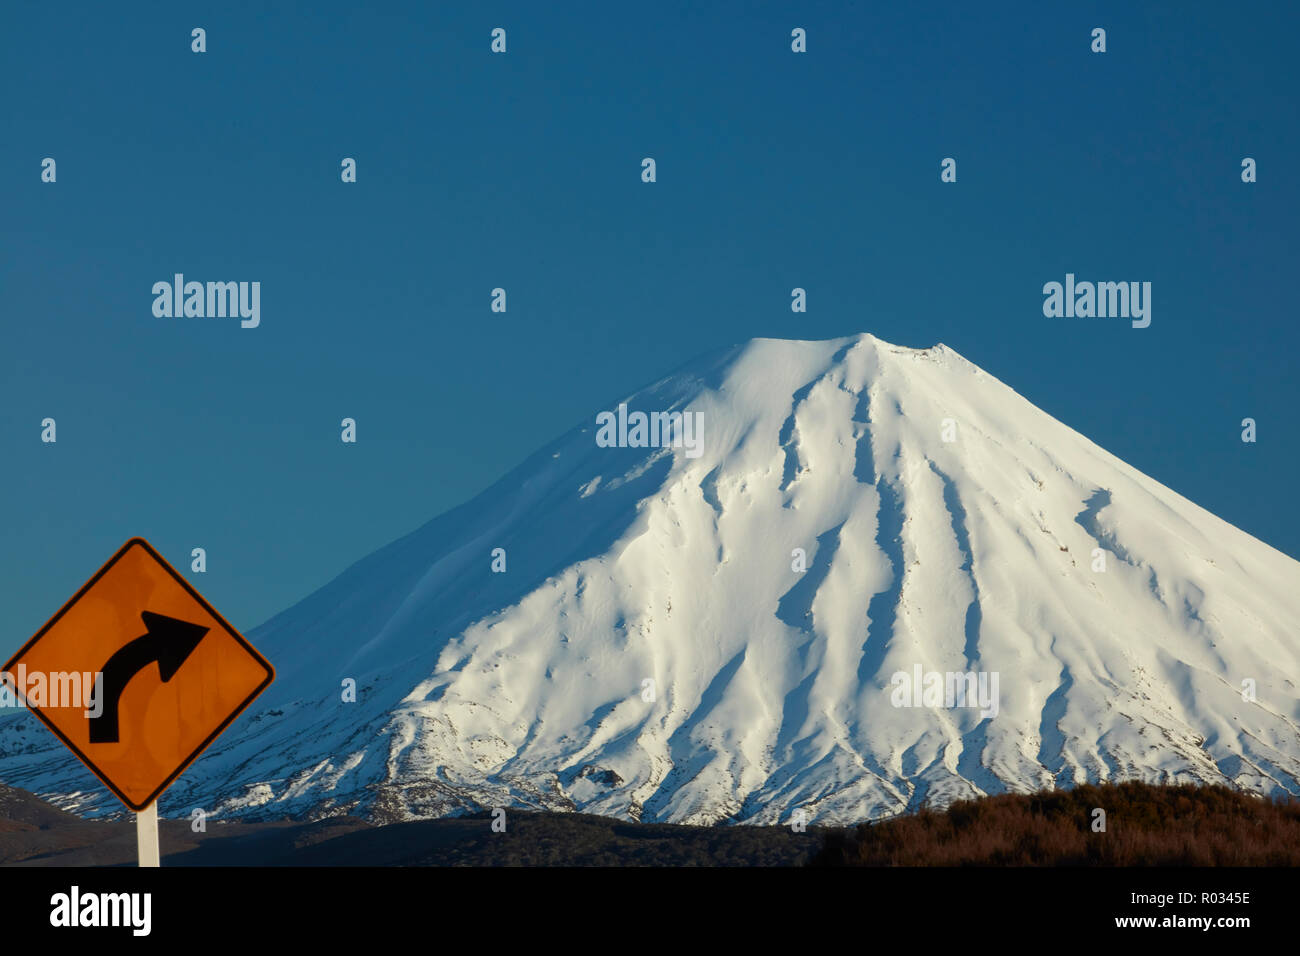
pixel 949 526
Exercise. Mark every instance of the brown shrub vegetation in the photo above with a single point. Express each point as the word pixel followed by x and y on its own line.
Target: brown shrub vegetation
pixel 1146 825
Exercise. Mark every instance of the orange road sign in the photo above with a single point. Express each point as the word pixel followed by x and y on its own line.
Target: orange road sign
pixel 137 674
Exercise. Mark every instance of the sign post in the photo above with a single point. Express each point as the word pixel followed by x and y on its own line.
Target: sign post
pixel 146 835
pixel 161 673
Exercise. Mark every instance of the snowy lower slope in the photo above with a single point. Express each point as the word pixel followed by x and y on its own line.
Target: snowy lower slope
pixel 772 687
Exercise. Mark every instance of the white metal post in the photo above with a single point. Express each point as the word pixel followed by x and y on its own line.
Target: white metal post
pixel 146 835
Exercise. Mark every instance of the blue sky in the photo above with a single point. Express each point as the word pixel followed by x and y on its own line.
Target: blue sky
pixel 522 170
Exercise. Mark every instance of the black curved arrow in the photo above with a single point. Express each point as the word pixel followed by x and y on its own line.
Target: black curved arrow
pixel 168 641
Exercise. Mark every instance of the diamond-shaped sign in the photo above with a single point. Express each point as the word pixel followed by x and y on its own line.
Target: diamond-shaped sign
pixel 137 674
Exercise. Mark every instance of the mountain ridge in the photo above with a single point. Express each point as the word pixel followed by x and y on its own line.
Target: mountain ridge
pixel 945 522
